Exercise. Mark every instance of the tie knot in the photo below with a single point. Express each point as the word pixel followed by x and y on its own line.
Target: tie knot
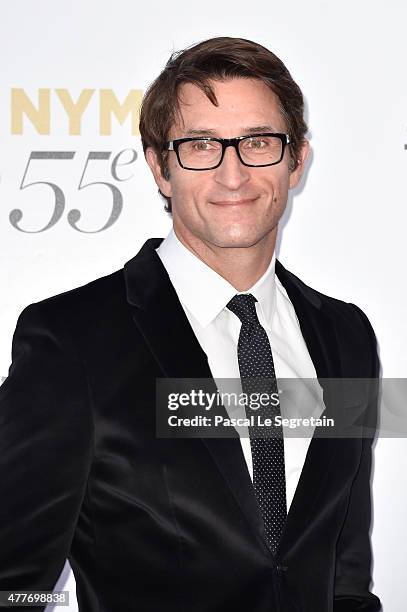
pixel 244 306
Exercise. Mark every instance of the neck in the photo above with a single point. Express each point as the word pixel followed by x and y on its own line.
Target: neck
pixel 240 266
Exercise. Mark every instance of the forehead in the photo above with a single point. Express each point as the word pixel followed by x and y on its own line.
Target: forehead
pixel 242 103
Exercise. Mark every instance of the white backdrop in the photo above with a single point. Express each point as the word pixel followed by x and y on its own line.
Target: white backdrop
pixel 66 67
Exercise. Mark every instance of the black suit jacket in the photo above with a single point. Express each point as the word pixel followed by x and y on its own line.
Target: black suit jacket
pixel 152 524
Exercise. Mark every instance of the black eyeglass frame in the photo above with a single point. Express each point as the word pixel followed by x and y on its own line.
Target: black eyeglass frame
pixel 173 145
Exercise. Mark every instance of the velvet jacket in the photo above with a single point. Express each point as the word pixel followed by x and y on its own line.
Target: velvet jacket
pixel 152 524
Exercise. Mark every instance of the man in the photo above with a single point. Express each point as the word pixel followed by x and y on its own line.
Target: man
pixel 201 524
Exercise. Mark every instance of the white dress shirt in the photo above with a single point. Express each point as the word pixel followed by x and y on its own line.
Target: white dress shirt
pixel 204 295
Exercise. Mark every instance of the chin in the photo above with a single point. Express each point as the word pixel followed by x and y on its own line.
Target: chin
pixel 236 240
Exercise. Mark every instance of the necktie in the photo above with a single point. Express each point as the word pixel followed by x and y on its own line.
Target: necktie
pixel 258 376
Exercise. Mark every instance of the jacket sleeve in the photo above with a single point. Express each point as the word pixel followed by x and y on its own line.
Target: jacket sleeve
pixel 353 552
pixel 46 441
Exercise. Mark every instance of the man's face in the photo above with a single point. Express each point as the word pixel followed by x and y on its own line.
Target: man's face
pixel 232 205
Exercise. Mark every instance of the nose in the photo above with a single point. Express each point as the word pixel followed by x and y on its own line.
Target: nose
pixel 232 173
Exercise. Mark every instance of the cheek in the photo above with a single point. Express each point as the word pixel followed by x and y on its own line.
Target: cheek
pixel 188 187
pixel 180 189
pixel 275 178
pixel 280 184
pixel 274 189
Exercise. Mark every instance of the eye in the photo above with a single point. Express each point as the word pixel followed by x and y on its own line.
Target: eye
pixel 203 145
pixel 256 143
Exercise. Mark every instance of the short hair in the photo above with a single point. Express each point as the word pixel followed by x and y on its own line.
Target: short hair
pixel 218 59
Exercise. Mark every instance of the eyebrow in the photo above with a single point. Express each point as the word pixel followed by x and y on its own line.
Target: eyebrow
pixel 258 129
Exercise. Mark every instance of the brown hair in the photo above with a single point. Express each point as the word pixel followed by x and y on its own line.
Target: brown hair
pixel 218 59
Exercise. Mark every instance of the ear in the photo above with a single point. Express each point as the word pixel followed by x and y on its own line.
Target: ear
pixel 296 174
pixel 155 167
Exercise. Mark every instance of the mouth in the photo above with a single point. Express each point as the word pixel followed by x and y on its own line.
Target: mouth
pixel 242 202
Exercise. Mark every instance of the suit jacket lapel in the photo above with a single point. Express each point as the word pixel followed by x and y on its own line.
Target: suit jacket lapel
pixel 318 330
pixel 161 319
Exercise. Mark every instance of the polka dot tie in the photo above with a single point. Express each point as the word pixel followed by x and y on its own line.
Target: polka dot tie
pixel 267 443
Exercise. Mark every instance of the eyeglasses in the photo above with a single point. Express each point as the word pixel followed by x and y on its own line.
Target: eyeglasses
pixel 202 153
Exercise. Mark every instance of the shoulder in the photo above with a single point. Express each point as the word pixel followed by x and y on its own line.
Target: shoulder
pixel 343 312
pixel 352 326
pixel 75 312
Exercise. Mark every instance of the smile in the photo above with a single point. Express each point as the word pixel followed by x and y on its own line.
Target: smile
pixel 234 202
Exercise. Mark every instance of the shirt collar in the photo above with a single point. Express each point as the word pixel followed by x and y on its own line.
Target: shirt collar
pixel 202 290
